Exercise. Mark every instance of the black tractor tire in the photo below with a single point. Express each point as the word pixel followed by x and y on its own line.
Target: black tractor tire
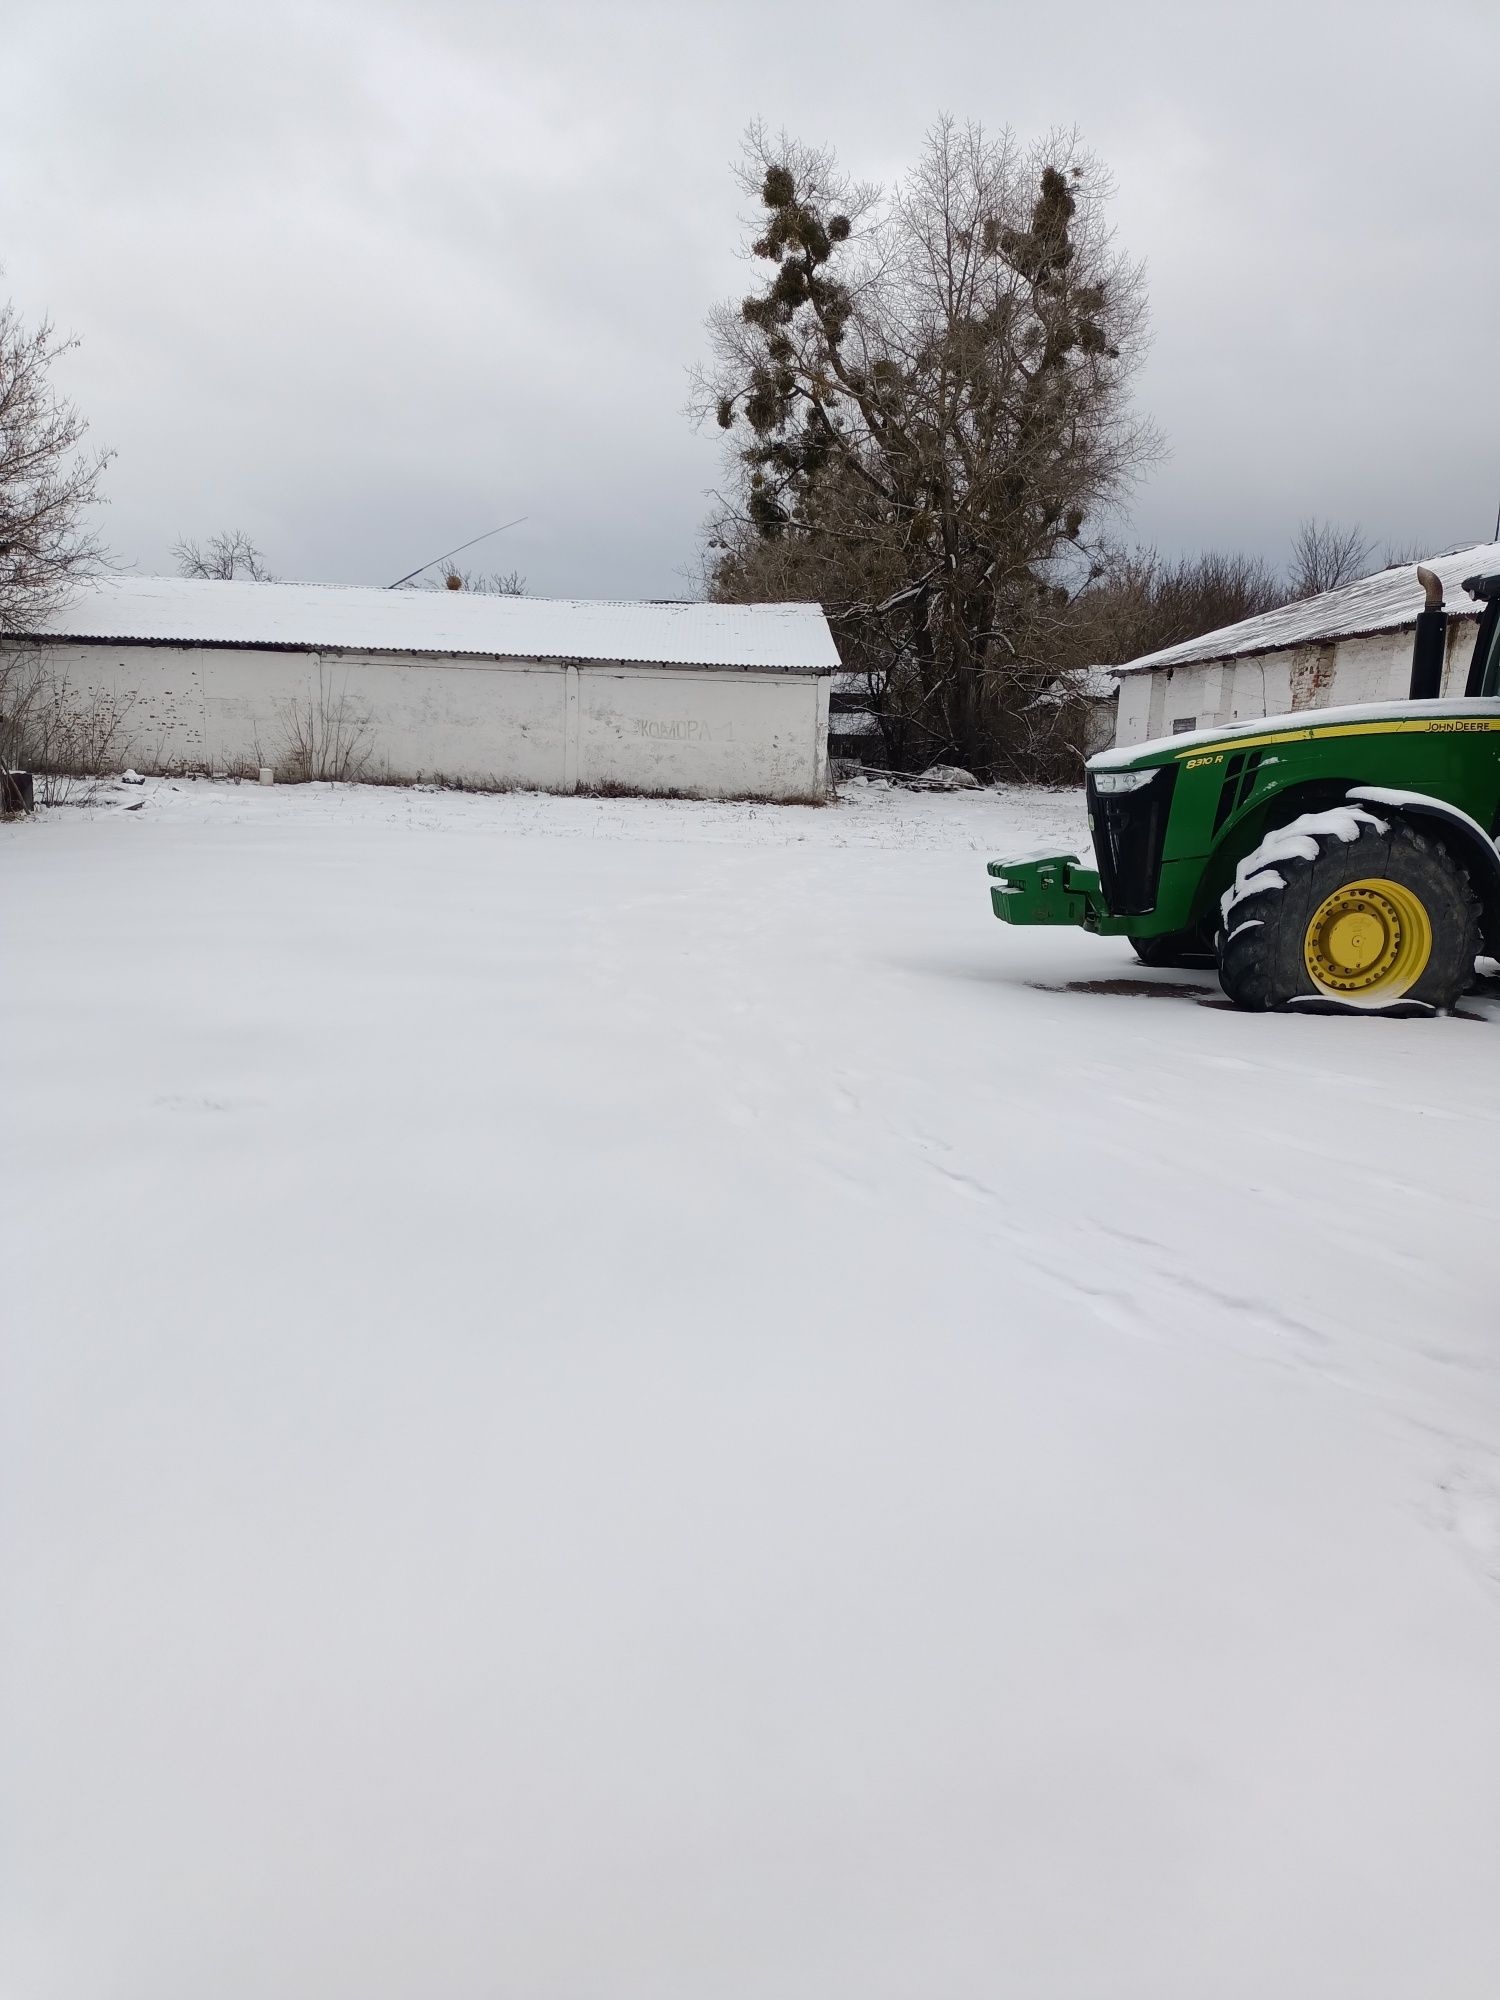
pixel 1177 949
pixel 1263 942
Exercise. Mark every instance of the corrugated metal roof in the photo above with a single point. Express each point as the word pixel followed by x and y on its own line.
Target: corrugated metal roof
pixel 1380 603
pixel 185 611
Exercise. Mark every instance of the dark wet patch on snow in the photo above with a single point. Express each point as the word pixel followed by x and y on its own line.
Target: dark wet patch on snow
pixel 1128 989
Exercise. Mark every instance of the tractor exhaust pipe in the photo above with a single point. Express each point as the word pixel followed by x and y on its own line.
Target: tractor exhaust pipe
pixel 1430 646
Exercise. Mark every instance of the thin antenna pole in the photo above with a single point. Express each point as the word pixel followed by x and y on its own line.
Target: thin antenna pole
pixel 469 545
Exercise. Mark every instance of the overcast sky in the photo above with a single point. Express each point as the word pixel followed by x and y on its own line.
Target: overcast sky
pixel 367 279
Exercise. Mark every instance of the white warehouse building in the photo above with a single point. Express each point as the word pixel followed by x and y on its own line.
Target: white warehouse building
pixel 713 700
pixel 1348 645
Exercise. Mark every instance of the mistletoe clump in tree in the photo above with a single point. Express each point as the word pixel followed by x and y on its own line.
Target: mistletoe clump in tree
pixel 928 407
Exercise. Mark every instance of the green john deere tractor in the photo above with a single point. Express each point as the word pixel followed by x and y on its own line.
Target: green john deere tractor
pixel 1336 859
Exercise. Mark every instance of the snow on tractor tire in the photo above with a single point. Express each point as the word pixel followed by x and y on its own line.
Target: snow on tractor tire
pixel 1349 909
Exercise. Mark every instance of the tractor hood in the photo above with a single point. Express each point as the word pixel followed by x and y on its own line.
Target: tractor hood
pixel 1461 716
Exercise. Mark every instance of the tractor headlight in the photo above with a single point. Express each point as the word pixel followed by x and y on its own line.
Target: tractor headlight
pixel 1108 782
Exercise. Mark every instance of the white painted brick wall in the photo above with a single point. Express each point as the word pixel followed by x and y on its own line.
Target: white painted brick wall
pixel 537 724
pixel 1370 667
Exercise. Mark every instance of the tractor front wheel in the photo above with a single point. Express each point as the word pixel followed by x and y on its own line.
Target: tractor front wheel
pixel 1341 906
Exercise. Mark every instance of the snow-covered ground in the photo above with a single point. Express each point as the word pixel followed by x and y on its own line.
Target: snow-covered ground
pixel 610 1400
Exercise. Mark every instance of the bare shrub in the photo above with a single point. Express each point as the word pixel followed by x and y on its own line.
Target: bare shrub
pixel 68 737
pixel 21 689
pixel 478 583
pixel 325 735
pixel 1057 732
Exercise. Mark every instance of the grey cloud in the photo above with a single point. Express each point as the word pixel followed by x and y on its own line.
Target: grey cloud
pixel 367 279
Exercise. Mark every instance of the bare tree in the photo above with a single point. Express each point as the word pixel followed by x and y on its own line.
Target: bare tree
pixel 46 478
pixel 1324 556
pixel 1140 602
pixel 222 557
pixel 928 405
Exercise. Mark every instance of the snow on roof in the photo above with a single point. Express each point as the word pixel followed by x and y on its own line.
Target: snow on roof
pixel 175 610
pixel 1078 684
pixel 1380 603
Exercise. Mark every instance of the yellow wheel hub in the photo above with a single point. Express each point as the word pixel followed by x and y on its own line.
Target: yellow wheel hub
pixel 1368 941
